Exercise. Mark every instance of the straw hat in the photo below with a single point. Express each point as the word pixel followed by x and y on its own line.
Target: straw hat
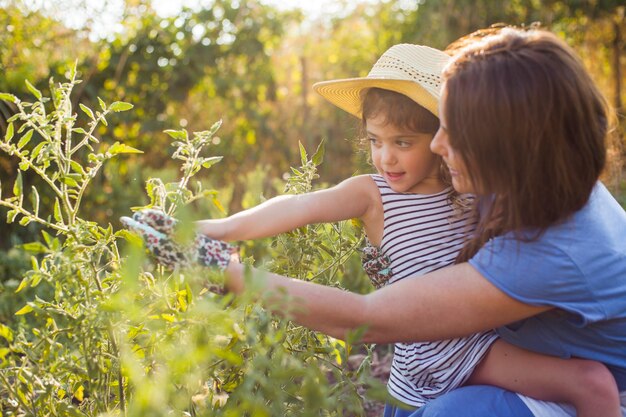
pixel 412 70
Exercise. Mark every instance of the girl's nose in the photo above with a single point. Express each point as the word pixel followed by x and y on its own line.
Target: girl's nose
pixel 388 157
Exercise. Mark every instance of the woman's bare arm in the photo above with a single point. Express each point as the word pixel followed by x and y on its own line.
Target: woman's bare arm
pixel 451 302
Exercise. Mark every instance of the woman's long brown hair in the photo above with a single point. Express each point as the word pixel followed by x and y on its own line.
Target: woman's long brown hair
pixel 530 126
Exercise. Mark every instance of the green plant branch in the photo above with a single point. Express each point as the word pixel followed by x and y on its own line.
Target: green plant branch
pixel 320 358
pixel 341 259
pixel 83 188
pixel 32 217
pixel 89 135
pixel 31 406
pixel 13 150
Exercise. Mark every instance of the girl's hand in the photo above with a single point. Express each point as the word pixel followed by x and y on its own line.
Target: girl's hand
pixel 157 229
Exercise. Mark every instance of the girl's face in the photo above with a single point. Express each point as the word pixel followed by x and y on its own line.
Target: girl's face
pixel 403 157
pixel 441 146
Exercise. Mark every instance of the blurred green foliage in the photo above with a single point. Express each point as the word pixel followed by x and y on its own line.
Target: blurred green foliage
pixel 253 65
pixel 101 330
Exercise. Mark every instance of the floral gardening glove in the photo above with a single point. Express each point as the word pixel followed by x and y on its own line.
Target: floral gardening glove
pixel 157 228
pixel 376 265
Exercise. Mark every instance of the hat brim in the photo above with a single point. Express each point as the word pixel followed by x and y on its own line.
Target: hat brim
pixel 346 93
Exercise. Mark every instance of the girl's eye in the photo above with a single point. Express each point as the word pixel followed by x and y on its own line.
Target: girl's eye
pixel 403 143
pixel 373 141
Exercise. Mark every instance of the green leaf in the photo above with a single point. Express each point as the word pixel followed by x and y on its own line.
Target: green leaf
pixel 168 317
pixel 209 162
pixel 36 280
pixel 118 148
pixel 37 150
pixel 296 171
pixel 24 221
pixel 57 210
pixel 34 199
pixel 87 111
pixel 6 333
pixel 215 127
pixel 47 237
pixel 119 106
pixel 67 179
pixel 52 242
pixel 318 157
pixel 129 237
pixel 150 190
pixel 177 134
pixel 219 206
pixel 18 186
pixel 8 97
pixel 23 284
pixel 33 90
pixel 11 215
pixel 24 310
pixel 9 134
pixel 103 105
pixel 3 353
pixel 25 139
pixel 73 70
pixel 34 247
pixel 79 130
pixel 79 394
pixel 23 165
pixel 303 155
pixel 76 167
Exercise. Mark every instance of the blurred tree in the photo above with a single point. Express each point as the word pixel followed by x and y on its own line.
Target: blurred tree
pixel 253 66
pixel 31 43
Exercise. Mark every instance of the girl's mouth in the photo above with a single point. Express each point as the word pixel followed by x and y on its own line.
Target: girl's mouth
pixel 394 175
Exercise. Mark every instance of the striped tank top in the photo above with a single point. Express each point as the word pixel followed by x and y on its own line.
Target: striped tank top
pixel 423 233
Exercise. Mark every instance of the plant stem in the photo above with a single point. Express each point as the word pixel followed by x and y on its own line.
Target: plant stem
pixel 34 218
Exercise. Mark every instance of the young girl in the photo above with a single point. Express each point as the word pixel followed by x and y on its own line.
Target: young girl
pixel 411 221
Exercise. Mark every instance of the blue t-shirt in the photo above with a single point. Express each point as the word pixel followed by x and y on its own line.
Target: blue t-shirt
pixel 577 266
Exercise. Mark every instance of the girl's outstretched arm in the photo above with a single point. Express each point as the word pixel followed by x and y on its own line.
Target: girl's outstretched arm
pixel 352 198
pixel 587 385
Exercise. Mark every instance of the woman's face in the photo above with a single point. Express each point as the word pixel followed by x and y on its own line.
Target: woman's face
pixel 451 157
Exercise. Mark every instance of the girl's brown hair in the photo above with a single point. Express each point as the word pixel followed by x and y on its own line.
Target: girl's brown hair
pixel 530 126
pixel 398 110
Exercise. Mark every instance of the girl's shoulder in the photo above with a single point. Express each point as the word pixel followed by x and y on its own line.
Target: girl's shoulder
pixel 359 190
pixel 366 183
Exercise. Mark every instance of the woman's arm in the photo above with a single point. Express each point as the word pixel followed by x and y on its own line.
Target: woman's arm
pixel 350 199
pixel 451 302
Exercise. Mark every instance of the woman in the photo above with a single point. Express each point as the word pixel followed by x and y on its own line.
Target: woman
pixel 523 127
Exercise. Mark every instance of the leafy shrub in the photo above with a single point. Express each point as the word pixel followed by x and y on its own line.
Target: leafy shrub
pixel 105 332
